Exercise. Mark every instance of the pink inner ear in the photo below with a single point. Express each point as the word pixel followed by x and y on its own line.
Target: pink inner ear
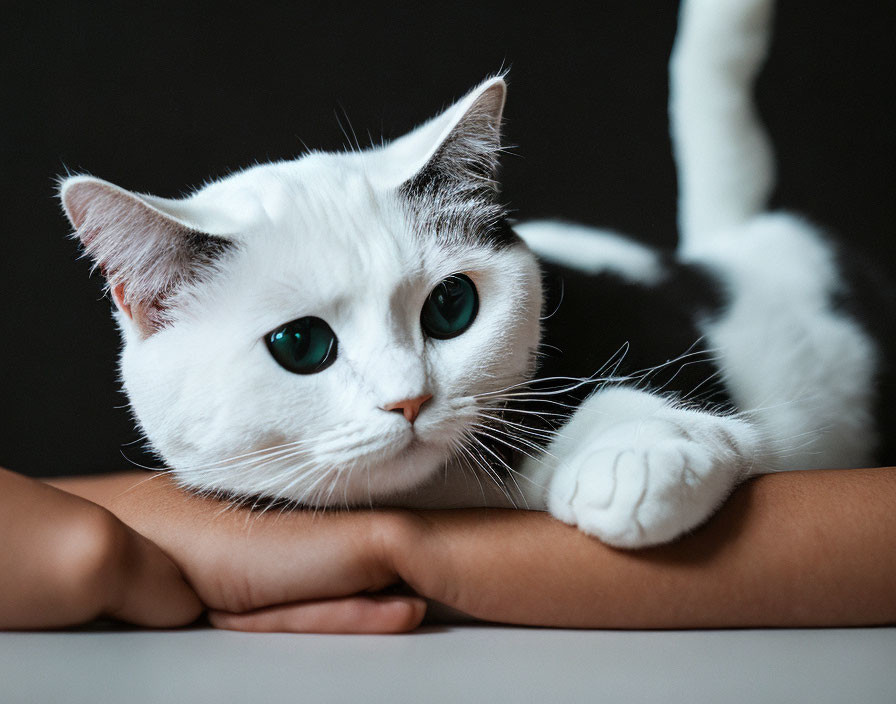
pixel 118 297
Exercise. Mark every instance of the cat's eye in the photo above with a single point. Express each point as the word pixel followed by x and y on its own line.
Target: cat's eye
pixel 303 346
pixel 451 308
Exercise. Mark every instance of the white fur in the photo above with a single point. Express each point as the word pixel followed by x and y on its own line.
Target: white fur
pixel 592 250
pixel 630 467
pixel 634 469
pixel 801 370
pixel 807 381
pixel 328 235
pixel 339 237
pixel 723 156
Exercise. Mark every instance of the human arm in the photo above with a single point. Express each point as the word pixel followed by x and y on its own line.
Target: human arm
pixel 791 549
pixel 65 561
pixel 239 560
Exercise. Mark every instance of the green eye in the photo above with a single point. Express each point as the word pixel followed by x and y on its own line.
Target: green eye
pixel 303 346
pixel 451 308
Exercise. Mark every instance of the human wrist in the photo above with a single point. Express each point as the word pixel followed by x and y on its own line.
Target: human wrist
pixel 402 541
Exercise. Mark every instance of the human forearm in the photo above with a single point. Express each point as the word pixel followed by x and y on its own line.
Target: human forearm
pixel 793 549
pixel 798 548
pixel 65 561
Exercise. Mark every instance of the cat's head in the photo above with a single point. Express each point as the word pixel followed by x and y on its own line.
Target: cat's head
pixel 325 330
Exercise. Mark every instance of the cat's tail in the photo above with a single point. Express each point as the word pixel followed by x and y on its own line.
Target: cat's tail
pixel 723 155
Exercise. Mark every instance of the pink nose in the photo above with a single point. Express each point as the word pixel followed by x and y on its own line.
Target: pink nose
pixel 410 407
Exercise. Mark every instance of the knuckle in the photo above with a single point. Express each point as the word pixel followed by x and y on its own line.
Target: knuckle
pixel 409 617
pixel 395 616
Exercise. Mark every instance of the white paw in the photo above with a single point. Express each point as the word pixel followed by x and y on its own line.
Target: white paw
pixel 646 481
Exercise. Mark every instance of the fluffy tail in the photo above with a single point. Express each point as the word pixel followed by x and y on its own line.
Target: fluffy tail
pixel 723 156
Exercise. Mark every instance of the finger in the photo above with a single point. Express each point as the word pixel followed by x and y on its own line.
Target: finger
pixel 153 591
pixel 353 614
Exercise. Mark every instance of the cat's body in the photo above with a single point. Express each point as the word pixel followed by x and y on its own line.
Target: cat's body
pixel 663 378
pixel 803 389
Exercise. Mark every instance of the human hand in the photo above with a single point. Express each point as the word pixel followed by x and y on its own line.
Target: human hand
pixel 269 570
pixel 66 561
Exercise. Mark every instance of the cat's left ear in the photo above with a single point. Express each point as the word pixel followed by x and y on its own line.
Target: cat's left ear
pixel 460 146
pixel 147 247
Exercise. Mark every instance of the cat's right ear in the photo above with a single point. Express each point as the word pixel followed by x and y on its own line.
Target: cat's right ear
pixel 458 148
pixel 145 246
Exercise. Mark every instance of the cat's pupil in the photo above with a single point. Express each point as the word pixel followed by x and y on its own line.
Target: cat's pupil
pixel 303 346
pixel 451 308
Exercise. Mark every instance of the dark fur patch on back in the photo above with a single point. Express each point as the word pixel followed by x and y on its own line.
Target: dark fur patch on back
pixel 592 316
pixel 602 325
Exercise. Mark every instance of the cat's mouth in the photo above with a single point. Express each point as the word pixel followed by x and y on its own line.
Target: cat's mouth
pixel 412 446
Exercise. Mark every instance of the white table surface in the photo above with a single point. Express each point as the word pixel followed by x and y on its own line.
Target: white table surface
pixel 467 663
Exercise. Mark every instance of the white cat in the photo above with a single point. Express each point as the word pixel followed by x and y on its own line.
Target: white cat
pixel 364 328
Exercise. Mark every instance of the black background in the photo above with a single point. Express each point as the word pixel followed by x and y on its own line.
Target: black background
pixel 160 99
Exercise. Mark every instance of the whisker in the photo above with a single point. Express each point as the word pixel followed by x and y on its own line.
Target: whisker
pixel 503 463
pixel 484 431
pixel 514 410
pixel 490 473
pixel 542 433
pixel 522 398
pixel 460 452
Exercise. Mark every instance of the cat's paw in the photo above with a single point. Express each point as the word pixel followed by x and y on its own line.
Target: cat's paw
pixel 646 481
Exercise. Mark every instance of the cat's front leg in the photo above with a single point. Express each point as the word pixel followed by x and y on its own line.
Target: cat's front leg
pixel 634 469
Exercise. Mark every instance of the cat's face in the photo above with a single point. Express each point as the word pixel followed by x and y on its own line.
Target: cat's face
pixel 283 326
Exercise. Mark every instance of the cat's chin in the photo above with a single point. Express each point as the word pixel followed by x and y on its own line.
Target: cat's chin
pixel 412 463
pixel 408 468
pixel 371 479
